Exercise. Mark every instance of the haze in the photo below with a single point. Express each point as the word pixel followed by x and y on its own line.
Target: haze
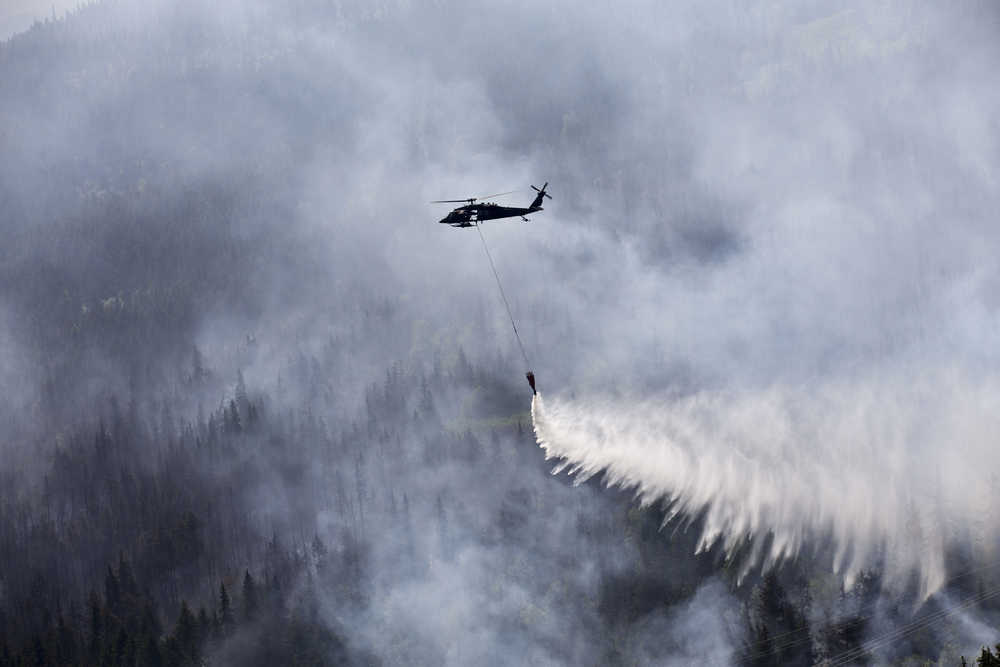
pixel 239 352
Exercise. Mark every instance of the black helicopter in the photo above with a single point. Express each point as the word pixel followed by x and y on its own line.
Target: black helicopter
pixel 473 213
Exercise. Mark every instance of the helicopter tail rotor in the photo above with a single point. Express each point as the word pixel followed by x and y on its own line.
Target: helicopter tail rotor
pixel 542 190
pixel 542 194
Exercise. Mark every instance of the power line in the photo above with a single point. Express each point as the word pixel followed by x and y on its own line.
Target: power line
pixel 880 641
pixel 802 635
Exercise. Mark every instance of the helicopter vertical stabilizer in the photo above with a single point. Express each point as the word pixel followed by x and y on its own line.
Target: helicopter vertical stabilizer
pixel 542 194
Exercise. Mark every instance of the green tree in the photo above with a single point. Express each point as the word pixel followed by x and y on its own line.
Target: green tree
pixel 149 652
pixel 66 649
pixel 232 418
pixel 123 648
pixel 225 609
pixel 204 625
pixel 186 632
pixel 249 597
pixel 242 398
pixel 126 579
pixel 96 625
pixel 988 659
pixel 198 371
pixel 38 656
pixel 762 648
pixel 112 589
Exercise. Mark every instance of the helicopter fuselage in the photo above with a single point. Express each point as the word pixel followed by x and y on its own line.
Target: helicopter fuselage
pixel 475 211
pixel 467 216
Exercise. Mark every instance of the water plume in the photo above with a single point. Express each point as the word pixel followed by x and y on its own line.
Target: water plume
pixel 887 469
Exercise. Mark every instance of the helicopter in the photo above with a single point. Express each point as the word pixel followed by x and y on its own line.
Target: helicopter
pixel 473 213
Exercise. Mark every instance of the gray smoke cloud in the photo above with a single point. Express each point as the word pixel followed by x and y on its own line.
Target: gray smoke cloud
pixel 830 359
pixel 704 630
pixel 765 289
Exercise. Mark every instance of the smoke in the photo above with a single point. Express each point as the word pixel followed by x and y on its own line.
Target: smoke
pixel 886 468
pixel 705 630
pixel 780 213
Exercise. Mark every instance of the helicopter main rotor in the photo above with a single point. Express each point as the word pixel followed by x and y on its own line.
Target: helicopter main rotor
pixel 471 200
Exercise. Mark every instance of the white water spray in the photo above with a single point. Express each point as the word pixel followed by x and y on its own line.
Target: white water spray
pixel 892 470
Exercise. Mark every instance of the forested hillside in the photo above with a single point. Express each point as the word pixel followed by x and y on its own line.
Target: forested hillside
pixel 258 408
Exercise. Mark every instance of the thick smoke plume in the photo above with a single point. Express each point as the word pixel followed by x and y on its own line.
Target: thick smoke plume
pixel 775 222
pixel 885 469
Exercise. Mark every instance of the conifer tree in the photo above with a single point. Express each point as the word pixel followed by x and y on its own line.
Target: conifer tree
pixel 204 625
pixel 249 597
pixel 96 625
pixel 762 649
pixel 126 579
pixel 149 652
pixel 112 589
pixel 198 371
pixel 233 423
pixel 225 609
pixel 319 550
pixel 186 633
pixel 122 648
pixel 38 651
pixel 988 659
pixel 242 399
pixel 66 652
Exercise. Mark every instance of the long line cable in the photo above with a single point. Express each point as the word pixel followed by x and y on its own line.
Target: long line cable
pixel 503 296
